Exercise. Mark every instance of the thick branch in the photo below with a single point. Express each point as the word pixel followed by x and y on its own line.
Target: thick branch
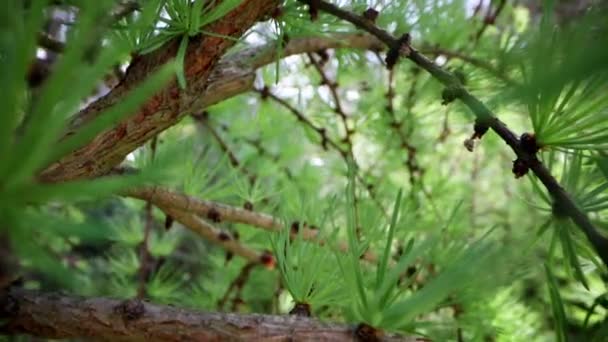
pixel 60 316
pixel 233 75
pixel 560 196
pixel 165 108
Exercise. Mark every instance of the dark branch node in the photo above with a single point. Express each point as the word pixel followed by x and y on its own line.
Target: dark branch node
pixel 323 56
pixel 277 12
pixel 367 333
pixel 265 92
pixel 248 206
pixel 371 14
pixel 295 227
pixel 480 128
pixel 400 46
pixel 223 236
pixel 520 168
pixel 168 222
pixel 214 215
pixel 267 259
pixel 131 309
pixel 301 309
pixel 528 143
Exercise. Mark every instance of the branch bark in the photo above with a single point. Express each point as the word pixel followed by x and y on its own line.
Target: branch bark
pixel 217 236
pixel 51 315
pixel 234 74
pixel 185 209
pixel 165 108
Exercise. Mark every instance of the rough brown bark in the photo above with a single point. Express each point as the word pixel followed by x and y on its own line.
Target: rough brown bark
pixel 60 316
pixel 165 108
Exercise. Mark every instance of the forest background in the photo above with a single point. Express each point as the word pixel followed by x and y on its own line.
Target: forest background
pixel 304 170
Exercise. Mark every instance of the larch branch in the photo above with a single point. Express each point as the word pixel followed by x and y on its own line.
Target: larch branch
pixel 170 202
pixel 53 315
pixel 559 194
pixel 163 109
pixel 216 236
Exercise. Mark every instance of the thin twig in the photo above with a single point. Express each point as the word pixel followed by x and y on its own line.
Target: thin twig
pixel 237 284
pixel 333 89
pixel 411 164
pixel 325 141
pixel 490 19
pixel 203 120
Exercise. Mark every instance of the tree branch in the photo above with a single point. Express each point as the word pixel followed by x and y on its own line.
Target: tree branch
pixel 51 315
pixel 170 201
pixel 165 108
pixel 560 196
pixel 217 236
pixel 221 212
pixel 232 75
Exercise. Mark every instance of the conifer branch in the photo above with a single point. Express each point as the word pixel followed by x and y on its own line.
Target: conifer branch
pixel 163 109
pixel 168 200
pixel 217 236
pixel 237 285
pixel 203 120
pixel 59 316
pixel 206 209
pixel 479 63
pixel 325 140
pixel 232 75
pixel 410 163
pixel 489 119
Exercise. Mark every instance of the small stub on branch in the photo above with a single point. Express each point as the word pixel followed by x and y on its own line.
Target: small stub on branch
pixel 267 259
pixel 366 333
pixel 480 128
pixel 131 309
pixel 214 215
pixel 301 309
pixel 401 48
pixel 168 222
pixel 528 143
pixel 370 14
pixel 248 206
pixel 520 168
